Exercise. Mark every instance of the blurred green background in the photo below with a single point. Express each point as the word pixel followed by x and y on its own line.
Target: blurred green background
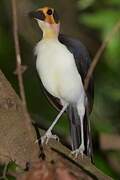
pixel 87 20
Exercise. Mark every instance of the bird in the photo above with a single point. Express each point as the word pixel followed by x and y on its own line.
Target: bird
pixel 62 63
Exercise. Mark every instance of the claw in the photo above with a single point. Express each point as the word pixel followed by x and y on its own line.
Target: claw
pixel 78 151
pixel 48 135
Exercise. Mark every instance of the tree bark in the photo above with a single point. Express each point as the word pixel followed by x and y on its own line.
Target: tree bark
pixel 17 137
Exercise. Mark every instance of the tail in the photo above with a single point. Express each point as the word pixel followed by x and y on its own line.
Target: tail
pixel 75 128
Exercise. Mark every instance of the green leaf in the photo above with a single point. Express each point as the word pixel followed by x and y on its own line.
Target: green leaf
pixel 113 2
pixel 83 4
pixel 101 19
pixel 113 53
pixel 13 167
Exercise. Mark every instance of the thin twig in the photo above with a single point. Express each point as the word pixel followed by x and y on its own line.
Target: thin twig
pixel 19 67
pixel 99 53
pixel 17 51
pixel 4 176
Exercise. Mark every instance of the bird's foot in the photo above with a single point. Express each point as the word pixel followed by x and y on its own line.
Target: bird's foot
pixel 47 136
pixel 78 151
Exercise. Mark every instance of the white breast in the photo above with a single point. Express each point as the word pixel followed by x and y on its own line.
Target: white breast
pixel 58 72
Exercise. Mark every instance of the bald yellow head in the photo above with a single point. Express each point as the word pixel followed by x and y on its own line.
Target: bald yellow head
pixel 48 20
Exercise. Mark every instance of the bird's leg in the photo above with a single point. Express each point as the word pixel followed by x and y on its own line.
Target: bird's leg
pixel 45 138
pixel 81 148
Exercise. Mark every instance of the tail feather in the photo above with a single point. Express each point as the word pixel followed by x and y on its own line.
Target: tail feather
pixel 75 128
pixel 87 136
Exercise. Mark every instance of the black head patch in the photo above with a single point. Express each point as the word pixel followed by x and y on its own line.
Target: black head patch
pixel 38 15
pixel 56 17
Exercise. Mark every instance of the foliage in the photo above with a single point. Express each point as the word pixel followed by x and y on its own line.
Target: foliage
pixel 8 169
pixel 100 17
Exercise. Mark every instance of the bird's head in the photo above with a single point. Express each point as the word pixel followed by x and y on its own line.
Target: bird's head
pixel 48 20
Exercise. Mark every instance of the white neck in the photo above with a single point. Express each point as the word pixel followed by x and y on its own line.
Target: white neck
pixel 49 30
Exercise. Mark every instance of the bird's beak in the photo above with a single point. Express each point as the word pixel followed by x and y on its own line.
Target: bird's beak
pixel 37 15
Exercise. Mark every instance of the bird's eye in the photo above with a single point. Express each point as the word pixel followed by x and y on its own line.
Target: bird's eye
pixel 49 12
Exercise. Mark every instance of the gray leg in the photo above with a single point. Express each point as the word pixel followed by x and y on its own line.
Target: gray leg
pixel 48 134
pixel 80 150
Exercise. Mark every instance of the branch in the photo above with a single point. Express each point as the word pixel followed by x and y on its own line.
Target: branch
pixel 58 164
pixel 99 53
pixel 17 51
pixel 19 67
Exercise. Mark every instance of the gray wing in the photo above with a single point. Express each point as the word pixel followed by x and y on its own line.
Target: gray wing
pixel 82 61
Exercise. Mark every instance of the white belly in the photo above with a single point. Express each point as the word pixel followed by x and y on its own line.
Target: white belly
pixel 58 72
